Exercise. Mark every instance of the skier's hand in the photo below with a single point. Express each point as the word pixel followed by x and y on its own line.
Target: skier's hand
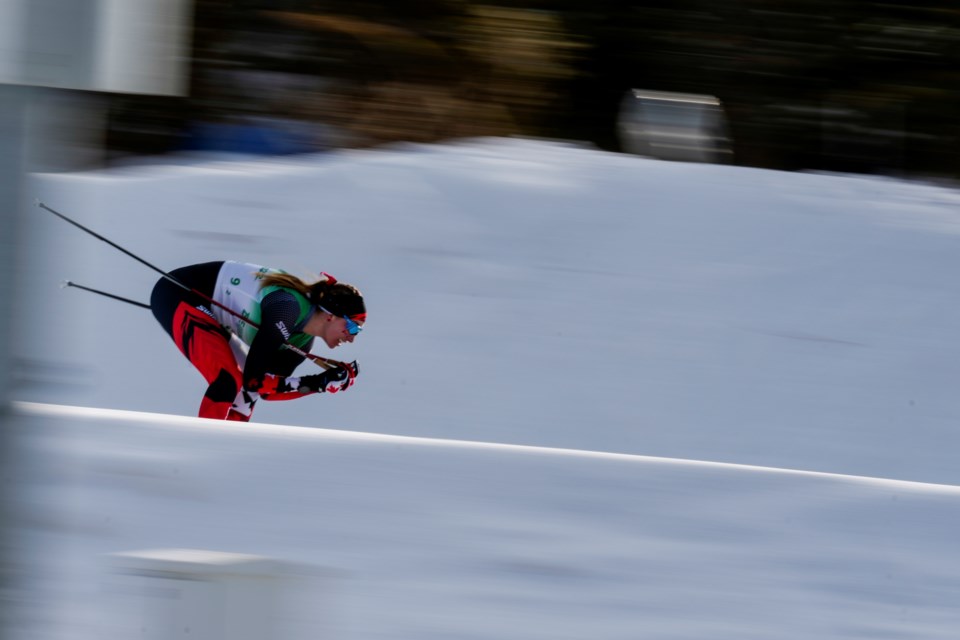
pixel 332 380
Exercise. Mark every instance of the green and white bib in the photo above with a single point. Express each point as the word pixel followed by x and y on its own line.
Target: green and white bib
pixel 238 289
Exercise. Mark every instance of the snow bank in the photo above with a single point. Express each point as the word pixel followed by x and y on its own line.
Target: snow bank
pixel 428 539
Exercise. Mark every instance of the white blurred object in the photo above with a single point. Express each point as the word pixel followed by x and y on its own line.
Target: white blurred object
pixel 125 46
pixel 64 54
pixel 673 126
pixel 189 593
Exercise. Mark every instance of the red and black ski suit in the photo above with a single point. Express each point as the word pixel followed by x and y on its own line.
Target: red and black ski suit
pixel 233 389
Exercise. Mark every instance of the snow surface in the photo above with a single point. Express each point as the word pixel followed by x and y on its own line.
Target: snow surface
pixel 532 293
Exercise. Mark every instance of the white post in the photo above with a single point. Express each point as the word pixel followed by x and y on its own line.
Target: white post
pixel 188 593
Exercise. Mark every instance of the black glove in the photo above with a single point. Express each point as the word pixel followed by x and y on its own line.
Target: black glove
pixel 331 380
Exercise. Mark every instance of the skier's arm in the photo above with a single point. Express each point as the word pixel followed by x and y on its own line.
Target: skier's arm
pixel 339 378
pixel 269 365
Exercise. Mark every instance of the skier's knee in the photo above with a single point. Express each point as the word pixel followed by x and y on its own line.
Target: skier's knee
pixel 224 388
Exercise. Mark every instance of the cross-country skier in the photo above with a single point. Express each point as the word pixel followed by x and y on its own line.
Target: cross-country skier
pixel 257 364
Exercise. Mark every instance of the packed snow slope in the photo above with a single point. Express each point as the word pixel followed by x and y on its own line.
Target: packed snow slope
pixel 538 293
pixel 520 293
pixel 411 539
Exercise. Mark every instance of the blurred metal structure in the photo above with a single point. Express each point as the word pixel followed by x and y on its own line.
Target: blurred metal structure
pixel 63 54
pixel 10 170
pixel 673 126
pixel 126 46
pixel 56 57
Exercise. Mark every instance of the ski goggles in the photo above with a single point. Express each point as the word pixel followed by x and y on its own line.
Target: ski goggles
pixel 352 327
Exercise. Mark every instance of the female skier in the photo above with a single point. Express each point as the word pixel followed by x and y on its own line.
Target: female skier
pixel 262 311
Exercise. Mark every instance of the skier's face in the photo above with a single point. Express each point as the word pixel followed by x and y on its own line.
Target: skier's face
pixel 333 330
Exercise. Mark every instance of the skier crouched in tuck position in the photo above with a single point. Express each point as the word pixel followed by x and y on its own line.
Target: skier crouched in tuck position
pixel 275 316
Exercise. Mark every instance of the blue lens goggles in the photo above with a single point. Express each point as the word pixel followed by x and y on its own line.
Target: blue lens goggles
pixel 352 327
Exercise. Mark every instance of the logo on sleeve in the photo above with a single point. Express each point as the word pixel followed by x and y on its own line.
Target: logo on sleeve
pixel 283 329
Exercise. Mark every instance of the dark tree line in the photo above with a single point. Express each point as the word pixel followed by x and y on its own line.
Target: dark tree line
pixel 846 85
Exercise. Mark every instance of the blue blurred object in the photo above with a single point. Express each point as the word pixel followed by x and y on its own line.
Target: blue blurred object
pixel 256 136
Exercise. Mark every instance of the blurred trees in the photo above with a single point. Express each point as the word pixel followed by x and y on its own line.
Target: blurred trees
pixel 847 85
pixel 839 85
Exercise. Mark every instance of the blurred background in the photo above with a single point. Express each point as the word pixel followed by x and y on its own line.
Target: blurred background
pixel 849 86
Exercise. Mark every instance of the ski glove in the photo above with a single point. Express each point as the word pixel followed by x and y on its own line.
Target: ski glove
pixel 330 381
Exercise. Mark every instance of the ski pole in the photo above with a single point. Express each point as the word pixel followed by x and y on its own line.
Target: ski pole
pixel 96 235
pixel 68 283
pixel 326 363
